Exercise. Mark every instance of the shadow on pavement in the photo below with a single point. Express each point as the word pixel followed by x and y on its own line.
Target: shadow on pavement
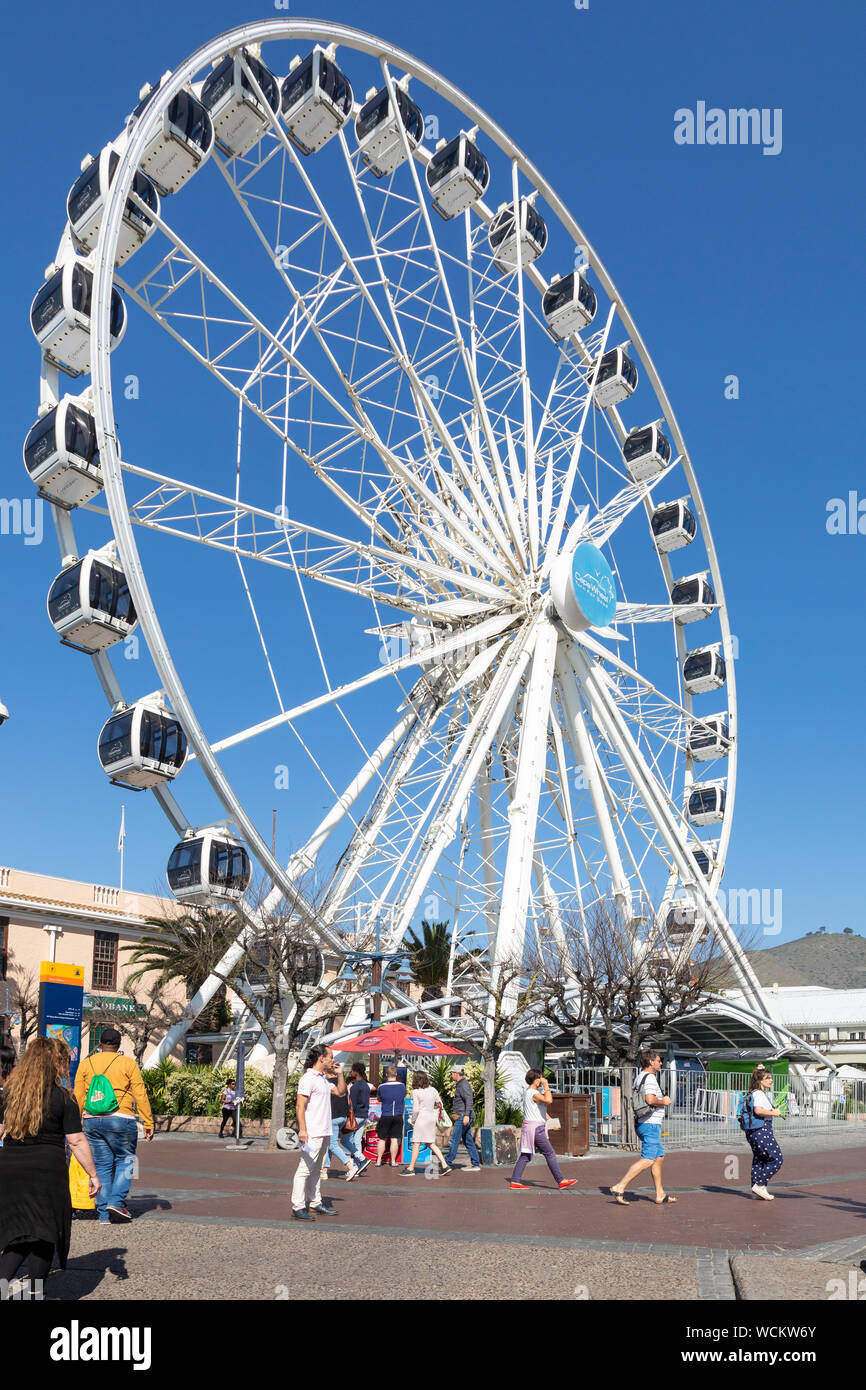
pixel 86 1272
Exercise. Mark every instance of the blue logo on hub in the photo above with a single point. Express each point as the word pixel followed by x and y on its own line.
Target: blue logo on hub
pixel 593 585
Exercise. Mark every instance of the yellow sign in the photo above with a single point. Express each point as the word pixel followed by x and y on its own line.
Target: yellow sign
pixel 53 972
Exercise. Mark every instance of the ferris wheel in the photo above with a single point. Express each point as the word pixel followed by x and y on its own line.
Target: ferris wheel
pixel 408 515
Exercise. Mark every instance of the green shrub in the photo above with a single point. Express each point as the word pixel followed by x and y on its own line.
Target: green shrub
pixel 155 1081
pixel 196 1090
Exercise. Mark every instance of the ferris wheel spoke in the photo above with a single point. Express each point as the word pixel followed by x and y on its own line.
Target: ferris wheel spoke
pixel 458 778
pixel 607 521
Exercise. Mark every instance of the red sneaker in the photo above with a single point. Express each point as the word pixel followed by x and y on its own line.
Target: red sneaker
pixel 523 1185
pixel 568 1182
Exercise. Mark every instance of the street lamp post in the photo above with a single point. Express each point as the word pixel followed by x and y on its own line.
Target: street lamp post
pixel 378 961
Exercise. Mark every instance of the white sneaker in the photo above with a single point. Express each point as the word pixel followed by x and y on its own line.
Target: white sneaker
pixel 352 1172
pixel 761 1192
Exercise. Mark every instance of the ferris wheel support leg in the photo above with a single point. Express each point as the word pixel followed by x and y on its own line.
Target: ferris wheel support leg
pixel 523 811
pixel 610 721
pixel 586 754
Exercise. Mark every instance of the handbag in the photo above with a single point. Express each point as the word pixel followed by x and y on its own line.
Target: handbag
pixel 79 1187
pixel 352 1123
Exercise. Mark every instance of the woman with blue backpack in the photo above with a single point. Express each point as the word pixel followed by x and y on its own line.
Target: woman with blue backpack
pixel 756 1121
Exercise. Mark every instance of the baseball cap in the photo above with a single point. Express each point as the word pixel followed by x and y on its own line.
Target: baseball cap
pixel 110 1036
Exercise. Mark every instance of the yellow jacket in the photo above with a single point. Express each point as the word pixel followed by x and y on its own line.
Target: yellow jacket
pixel 125 1077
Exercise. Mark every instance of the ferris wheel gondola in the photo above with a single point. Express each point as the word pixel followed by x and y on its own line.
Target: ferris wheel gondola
pixel 707 803
pixel 709 738
pixel 646 451
pixel 704 669
pixel 316 99
pixel 85 204
pixel 143 745
pixel 694 597
pixel 60 315
pixel 517 239
pixel 240 118
pixel 457 175
pixel 89 602
pixel 616 378
pixel 181 143
pixel 569 304
pixel 380 130
pixel 209 866
pixel 673 526
pixel 61 453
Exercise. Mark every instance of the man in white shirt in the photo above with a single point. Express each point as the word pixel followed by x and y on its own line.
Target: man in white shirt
pixel 648 1096
pixel 314 1132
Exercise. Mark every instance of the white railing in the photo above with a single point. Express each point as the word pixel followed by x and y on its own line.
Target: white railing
pixel 105 897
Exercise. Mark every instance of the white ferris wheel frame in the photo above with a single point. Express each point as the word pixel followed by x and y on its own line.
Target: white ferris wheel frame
pixel 604 708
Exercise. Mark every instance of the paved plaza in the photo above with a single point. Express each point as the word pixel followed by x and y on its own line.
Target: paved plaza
pixel 216 1224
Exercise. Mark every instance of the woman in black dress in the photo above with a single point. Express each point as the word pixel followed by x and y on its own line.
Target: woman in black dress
pixel 38 1118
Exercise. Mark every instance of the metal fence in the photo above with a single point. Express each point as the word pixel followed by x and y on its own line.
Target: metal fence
pixel 704 1109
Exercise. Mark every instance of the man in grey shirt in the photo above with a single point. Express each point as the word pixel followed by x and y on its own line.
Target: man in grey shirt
pixel 462 1115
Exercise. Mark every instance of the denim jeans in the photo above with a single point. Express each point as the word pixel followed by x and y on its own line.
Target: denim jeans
pixel 356 1140
pixel 113 1141
pixel 462 1134
pixel 335 1147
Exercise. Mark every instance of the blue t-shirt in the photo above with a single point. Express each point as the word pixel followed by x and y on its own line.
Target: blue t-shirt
pixel 392 1094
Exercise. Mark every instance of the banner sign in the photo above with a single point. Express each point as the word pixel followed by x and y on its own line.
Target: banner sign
pixel 61 998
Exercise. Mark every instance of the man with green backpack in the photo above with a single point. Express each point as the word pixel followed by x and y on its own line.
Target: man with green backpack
pixel 109 1089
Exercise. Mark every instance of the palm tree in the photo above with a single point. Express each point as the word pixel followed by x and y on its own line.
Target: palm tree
pixel 187 948
pixel 429 957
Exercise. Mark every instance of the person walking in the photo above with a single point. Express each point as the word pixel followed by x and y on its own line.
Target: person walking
pixel 7 1066
pixel 462 1115
pixel 427 1110
pixel 229 1102
pixel 339 1118
pixel 766 1154
pixel 109 1090
pixel 389 1130
pixel 650 1106
pixel 359 1099
pixel 533 1136
pixel 314 1132
pixel 38 1118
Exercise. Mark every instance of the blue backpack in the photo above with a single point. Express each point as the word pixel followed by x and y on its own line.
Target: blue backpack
pixel 746 1117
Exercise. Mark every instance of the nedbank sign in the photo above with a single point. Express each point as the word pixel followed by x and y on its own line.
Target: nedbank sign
pixel 113 1004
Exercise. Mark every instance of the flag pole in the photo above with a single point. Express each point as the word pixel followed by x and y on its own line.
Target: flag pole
pixel 121 840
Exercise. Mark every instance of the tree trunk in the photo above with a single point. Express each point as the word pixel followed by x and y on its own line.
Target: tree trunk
pixel 281 1075
pixel 489 1089
pixel 628 1073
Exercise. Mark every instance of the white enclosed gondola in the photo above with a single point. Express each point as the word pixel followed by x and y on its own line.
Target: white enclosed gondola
pixel 239 117
pixel 705 859
pixel 523 237
pixel 695 596
pixel 60 315
pixel 61 454
pixel 646 451
pixel 207 866
pixel 457 175
pixel 89 602
pixel 142 745
pixel 683 920
pixel 378 128
pixel 568 304
pixel 181 143
pixel 709 739
pixel 616 379
pixel 87 198
pixel 707 803
pixel 703 670
pixel 673 526
pixel 316 99
pixel 4 713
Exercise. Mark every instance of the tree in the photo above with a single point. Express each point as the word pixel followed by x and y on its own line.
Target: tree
pixel 24 1002
pixel 284 986
pixel 847 931
pixel 186 947
pixel 495 1002
pixel 152 1014
pixel 597 974
pixel 429 958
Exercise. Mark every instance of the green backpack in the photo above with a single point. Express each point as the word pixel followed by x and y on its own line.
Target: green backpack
pixel 101 1099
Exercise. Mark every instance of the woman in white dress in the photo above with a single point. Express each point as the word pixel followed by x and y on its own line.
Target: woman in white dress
pixel 427 1109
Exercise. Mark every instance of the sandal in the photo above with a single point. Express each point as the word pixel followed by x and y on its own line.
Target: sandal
pixel 619 1194
pixel 666 1198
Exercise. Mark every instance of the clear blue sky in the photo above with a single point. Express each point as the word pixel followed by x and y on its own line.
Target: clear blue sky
pixel 732 262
